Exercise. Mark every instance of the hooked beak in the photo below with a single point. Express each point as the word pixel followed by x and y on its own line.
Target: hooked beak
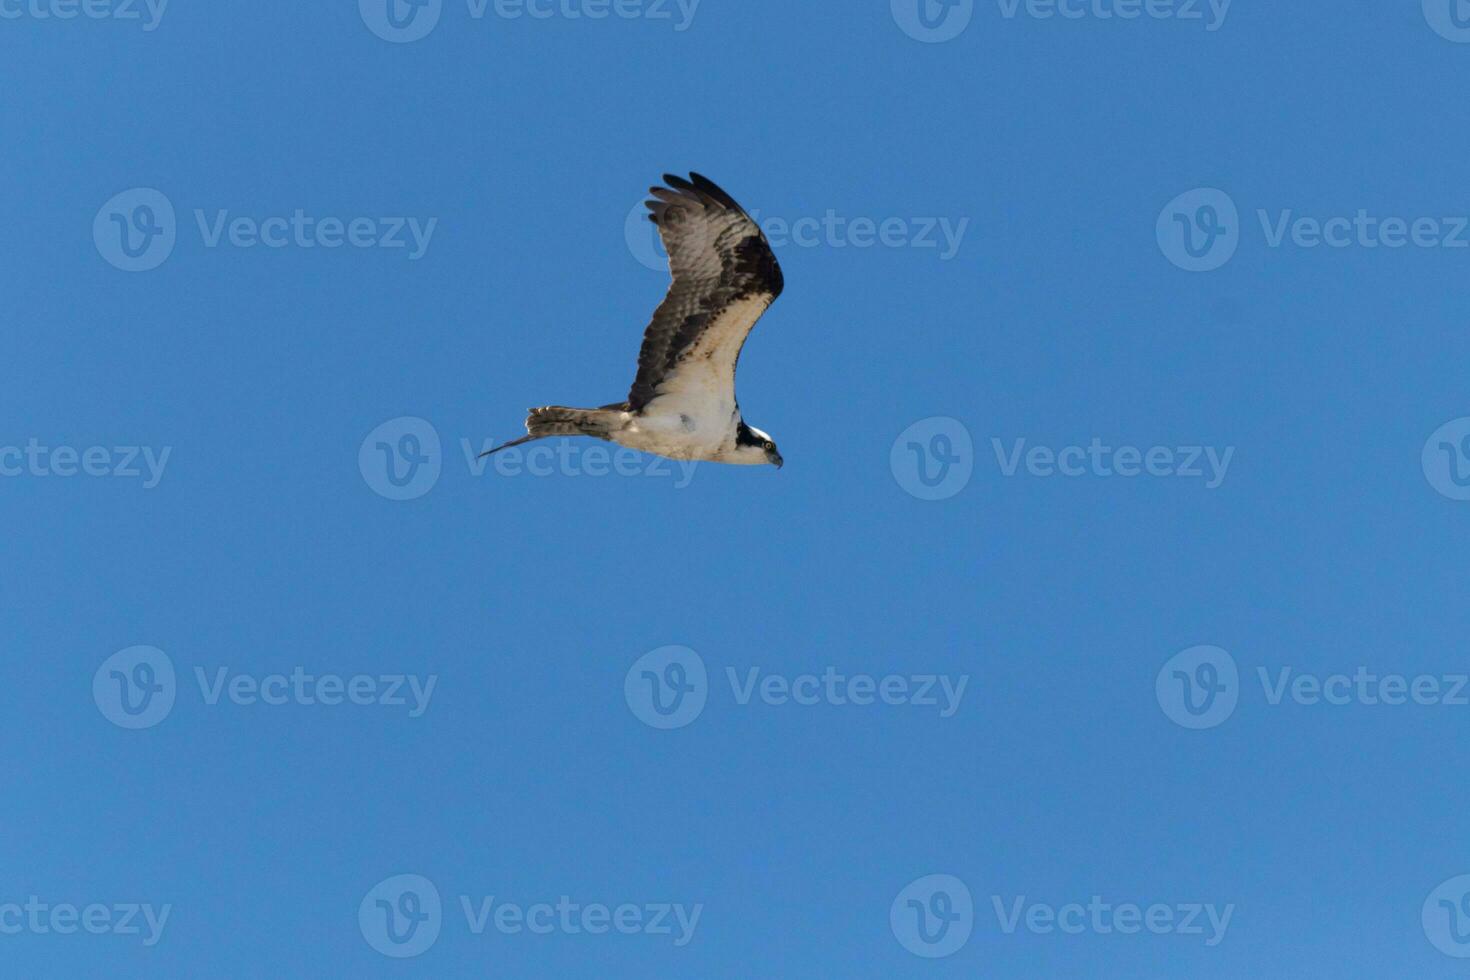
pixel 777 461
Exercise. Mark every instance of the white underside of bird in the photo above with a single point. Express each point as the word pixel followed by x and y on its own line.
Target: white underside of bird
pixel 694 415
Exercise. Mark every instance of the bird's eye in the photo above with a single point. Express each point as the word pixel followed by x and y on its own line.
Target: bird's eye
pixel 770 445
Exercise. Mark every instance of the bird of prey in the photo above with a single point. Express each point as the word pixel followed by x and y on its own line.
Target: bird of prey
pixel 682 404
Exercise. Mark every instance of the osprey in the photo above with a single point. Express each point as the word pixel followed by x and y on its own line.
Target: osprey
pixel 682 404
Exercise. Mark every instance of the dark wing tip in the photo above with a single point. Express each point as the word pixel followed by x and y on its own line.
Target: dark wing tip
pixel 698 186
pixel 753 255
pixel 711 189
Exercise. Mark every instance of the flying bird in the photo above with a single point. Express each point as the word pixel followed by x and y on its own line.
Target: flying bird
pixel 682 404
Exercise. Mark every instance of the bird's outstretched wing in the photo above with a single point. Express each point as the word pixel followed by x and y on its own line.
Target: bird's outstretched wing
pixel 725 276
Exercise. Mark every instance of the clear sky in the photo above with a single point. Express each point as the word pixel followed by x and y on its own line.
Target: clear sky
pixel 1106 475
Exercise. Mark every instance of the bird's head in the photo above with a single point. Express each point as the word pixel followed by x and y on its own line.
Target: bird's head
pixel 754 446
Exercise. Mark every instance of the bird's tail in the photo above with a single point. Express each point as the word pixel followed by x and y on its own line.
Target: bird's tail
pixel 557 420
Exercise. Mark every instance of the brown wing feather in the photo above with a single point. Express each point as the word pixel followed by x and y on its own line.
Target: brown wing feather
pixel 718 257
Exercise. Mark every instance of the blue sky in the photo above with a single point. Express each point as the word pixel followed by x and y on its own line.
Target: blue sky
pixel 1106 619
